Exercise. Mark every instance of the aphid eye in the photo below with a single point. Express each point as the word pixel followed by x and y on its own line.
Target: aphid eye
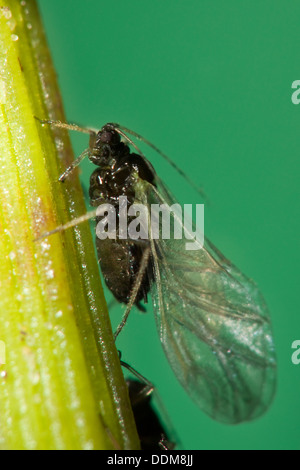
pixel 108 137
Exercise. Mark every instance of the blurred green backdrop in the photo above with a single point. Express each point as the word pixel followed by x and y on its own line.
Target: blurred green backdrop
pixel 210 84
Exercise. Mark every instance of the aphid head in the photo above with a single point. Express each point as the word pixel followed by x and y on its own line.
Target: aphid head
pixel 108 135
pixel 104 145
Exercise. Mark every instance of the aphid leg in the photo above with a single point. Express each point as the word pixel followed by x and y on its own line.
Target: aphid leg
pixel 73 165
pixel 71 223
pixel 135 290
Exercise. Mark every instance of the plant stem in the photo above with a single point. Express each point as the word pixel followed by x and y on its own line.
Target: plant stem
pixel 60 378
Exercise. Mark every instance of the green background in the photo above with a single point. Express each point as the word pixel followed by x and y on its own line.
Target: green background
pixel 209 82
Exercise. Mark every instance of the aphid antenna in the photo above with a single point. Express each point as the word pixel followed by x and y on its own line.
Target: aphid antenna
pixel 162 154
pixel 76 128
pixel 68 126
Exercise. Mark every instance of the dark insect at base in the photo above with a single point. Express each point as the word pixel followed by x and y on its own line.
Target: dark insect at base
pixel 152 432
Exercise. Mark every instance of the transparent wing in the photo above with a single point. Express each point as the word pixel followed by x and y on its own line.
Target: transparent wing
pixel 214 327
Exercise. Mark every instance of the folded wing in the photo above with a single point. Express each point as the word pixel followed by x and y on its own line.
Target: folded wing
pixel 214 327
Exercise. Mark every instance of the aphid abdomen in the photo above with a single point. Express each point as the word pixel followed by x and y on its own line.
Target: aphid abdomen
pixel 120 261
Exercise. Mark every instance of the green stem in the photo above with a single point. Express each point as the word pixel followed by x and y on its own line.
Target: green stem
pixel 60 378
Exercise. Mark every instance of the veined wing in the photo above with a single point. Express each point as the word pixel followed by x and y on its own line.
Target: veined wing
pixel 214 327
